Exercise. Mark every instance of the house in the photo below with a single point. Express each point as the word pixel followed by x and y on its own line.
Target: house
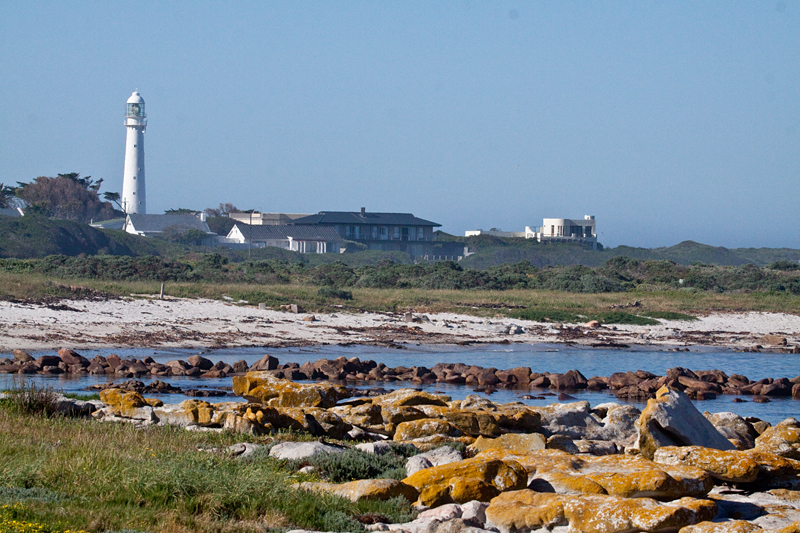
pixel 386 232
pixel 14 212
pixel 265 219
pixel 303 239
pixel 155 225
pixel 552 230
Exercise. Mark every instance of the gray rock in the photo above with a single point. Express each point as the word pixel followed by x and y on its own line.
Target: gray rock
pixel 377 448
pixel 302 450
pixel 70 407
pixel 474 510
pixel 671 419
pixel 439 456
pixel 733 426
pixel 243 450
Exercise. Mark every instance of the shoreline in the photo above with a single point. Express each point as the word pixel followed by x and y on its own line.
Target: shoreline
pixel 201 323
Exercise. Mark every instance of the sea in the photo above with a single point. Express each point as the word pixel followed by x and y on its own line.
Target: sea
pixel 539 357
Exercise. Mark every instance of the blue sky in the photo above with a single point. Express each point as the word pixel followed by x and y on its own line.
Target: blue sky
pixel 667 120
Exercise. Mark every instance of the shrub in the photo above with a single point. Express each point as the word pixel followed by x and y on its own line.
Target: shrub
pixel 669 315
pixel 333 292
pixel 545 315
pixel 618 317
pixel 351 465
pixel 27 397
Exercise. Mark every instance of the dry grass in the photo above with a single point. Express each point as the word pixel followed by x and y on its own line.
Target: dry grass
pixel 474 302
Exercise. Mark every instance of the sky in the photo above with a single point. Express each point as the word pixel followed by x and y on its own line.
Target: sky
pixel 668 121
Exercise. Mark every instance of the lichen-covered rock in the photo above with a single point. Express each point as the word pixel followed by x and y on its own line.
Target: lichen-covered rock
pixel 467 480
pixel 264 388
pixel 121 402
pixel 670 419
pixel 318 422
pixel 775 472
pixel 366 489
pixel 733 466
pixel 526 510
pixel 511 441
pixel 733 426
pixel 783 439
pixel 731 526
pixel 618 475
pixel 425 427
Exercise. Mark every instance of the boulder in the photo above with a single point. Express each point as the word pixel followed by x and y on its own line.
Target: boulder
pixel 200 362
pixel 440 456
pixel 264 388
pixel 265 363
pixel 670 419
pixel 72 357
pixel 22 356
pixel 733 427
pixel 731 526
pixel 775 472
pixel 467 480
pixel 526 510
pixel 782 439
pixel 511 441
pixel 729 466
pixel 617 475
pixel 425 427
pixel 366 489
pixel 302 450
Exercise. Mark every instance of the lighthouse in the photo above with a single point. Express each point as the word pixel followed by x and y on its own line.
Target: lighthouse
pixel 133 194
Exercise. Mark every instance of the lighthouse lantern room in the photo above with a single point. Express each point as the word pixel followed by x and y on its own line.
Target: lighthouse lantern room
pixel 133 192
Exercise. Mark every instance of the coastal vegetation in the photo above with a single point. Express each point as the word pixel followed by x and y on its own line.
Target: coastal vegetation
pixel 63 474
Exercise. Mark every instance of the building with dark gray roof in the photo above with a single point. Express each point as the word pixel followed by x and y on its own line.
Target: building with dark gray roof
pixel 154 225
pixel 387 232
pixel 303 239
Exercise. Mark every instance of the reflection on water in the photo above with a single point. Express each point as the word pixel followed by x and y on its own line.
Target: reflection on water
pixel 541 358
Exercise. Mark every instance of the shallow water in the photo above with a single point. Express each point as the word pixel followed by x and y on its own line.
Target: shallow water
pixel 541 358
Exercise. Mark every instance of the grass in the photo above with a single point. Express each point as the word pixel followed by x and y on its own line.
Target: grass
pixel 77 474
pixel 28 398
pixel 539 303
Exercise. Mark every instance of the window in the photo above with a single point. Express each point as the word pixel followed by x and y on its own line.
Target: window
pixel 384 231
pixel 374 232
pixel 420 234
pixel 397 232
pixel 405 234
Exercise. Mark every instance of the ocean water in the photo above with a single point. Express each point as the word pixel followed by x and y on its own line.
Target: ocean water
pixel 541 358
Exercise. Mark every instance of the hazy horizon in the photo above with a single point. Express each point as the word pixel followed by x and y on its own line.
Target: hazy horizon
pixel 668 122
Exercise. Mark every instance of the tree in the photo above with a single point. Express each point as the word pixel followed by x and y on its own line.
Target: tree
pixel 6 195
pixel 180 211
pixel 67 196
pixel 222 211
pixel 113 197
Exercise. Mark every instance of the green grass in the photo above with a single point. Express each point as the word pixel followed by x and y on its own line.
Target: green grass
pixel 84 474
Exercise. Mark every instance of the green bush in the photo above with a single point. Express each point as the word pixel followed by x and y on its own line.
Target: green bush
pixel 352 464
pixel 669 315
pixel 332 292
pixel 26 397
pixel 618 317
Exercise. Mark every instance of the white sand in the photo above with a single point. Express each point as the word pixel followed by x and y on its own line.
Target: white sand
pixel 149 322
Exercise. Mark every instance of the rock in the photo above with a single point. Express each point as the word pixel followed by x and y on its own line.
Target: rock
pixel 782 439
pixel 425 427
pixel 376 448
pixel 526 510
pixel 593 324
pixel 773 340
pixel 200 362
pixel 264 388
pixel 731 425
pixel 775 471
pixel 243 450
pixel 302 450
pixel 511 441
pixel 265 363
pixel 448 511
pixel 617 475
pixel 72 357
pixel 70 407
pixel 730 466
pixel 240 366
pixel 731 526
pixel 22 356
pixel 366 489
pixel 670 419
pixel 474 510
pixel 440 456
pixel 467 480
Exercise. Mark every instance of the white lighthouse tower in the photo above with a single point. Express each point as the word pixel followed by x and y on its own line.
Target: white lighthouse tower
pixel 133 194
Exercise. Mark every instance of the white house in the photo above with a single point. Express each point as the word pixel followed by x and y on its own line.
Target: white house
pixel 303 239
pixel 265 219
pixel 154 225
pixel 552 230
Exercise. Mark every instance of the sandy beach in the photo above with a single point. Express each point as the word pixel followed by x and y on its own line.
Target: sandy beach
pixel 172 322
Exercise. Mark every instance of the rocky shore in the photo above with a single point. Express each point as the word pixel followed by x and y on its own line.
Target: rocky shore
pixel 510 467
pixel 640 385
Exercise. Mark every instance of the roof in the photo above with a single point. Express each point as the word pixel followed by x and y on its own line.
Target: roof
pixel 10 212
pixel 135 98
pixel 157 223
pixel 346 217
pixel 284 231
